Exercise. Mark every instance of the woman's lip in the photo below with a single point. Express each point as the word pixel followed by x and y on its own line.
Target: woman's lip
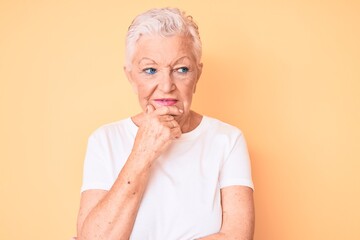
pixel 166 101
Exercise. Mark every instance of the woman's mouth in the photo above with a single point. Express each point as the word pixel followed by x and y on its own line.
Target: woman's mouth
pixel 166 101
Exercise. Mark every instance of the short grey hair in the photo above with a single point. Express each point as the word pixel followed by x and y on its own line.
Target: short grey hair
pixel 164 22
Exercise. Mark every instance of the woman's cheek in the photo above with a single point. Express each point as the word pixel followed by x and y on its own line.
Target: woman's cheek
pixel 145 91
pixel 186 103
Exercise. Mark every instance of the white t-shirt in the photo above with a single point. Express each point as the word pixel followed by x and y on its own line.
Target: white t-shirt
pixel 182 198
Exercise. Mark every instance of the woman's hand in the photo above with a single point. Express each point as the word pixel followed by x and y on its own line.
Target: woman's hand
pixel 156 132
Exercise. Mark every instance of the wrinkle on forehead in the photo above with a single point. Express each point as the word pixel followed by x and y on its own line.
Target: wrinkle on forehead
pixel 164 50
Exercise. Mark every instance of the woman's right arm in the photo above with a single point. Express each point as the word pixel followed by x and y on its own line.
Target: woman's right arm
pixel 111 214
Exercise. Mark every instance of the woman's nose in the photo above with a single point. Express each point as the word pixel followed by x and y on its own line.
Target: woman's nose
pixel 167 84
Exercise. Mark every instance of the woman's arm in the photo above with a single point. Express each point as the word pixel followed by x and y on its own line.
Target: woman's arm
pixel 238 214
pixel 111 214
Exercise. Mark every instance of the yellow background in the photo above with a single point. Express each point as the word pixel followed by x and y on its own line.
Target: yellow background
pixel 286 72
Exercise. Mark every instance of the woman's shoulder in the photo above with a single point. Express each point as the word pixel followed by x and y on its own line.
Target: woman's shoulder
pixel 220 132
pixel 220 126
pixel 115 128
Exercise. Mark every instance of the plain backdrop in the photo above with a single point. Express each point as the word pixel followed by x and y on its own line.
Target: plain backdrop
pixel 285 72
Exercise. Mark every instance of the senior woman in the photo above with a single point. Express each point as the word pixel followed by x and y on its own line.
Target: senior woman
pixel 167 173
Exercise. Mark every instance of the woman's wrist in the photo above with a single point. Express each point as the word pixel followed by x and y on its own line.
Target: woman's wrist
pixel 142 156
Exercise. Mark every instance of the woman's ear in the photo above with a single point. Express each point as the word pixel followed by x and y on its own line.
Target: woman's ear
pixel 200 66
pixel 128 74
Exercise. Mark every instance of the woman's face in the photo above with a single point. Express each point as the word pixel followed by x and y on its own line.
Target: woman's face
pixel 164 72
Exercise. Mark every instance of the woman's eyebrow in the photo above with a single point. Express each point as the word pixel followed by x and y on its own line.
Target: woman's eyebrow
pixel 146 59
pixel 180 60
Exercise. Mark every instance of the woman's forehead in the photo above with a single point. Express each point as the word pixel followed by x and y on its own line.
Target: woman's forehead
pixel 158 48
pixel 148 60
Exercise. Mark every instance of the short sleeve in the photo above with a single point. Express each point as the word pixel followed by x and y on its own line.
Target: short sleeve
pixel 236 169
pixel 97 173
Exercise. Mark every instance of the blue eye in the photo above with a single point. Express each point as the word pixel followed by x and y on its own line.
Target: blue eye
pixel 182 70
pixel 150 71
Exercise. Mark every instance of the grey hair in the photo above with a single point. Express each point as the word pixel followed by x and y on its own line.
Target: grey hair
pixel 164 22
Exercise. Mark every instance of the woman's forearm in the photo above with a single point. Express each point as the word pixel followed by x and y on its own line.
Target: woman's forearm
pixel 113 217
